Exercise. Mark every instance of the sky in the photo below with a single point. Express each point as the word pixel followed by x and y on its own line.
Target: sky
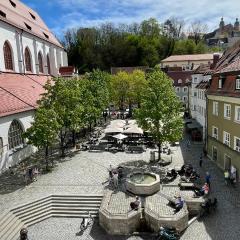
pixel 61 15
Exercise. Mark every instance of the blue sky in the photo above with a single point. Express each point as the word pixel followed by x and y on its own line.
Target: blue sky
pixel 60 15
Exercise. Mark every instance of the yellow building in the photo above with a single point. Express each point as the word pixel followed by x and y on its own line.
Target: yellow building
pixel 223 115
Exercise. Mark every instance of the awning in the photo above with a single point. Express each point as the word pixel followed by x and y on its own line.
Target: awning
pixel 194 125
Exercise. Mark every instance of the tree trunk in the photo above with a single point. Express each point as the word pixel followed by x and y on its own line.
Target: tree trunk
pixel 46 157
pixel 159 151
pixel 130 109
pixel 73 138
pixel 62 144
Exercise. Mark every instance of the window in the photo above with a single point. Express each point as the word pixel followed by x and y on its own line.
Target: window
pixel 12 3
pixel 27 26
pixel 215 132
pixel 195 80
pixel 195 94
pixel 226 138
pixel 28 64
pixel 185 89
pixel 33 17
pixel 179 80
pixel 238 82
pixel 8 56
pixel 237 113
pixel 177 89
pixel 237 144
pixel 48 65
pixel 1 147
pixel 194 108
pixel 227 111
pixel 185 99
pixel 2 14
pixel 215 108
pixel 40 62
pixel 220 83
pixel 15 132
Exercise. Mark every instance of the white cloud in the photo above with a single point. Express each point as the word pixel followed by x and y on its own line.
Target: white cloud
pixel 94 12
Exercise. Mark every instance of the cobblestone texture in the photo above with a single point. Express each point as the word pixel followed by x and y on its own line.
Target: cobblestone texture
pixel 87 173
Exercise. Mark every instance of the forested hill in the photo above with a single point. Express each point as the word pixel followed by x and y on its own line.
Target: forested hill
pixel 144 44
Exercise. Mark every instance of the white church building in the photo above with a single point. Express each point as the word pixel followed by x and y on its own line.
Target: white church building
pixel 29 55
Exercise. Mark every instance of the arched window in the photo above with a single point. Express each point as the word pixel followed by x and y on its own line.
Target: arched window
pixel 40 62
pixel 1 147
pixel 48 65
pixel 15 132
pixel 179 80
pixel 8 59
pixel 28 63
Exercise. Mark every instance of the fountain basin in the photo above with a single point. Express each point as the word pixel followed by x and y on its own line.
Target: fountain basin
pixel 143 183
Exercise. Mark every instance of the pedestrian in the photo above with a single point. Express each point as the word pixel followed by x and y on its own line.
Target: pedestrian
pixel 30 174
pixel 200 160
pixel 208 179
pixel 115 180
pixel 226 176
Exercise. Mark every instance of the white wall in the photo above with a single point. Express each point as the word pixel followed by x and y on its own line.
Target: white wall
pixel 10 158
pixel 19 41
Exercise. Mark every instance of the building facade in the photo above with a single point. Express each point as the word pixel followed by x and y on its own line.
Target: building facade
pixel 181 82
pixel 224 36
pixel 29 55
pixel 187 62
pixel 223 116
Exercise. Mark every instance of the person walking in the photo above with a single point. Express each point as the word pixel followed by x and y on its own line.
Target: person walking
pixel 115 180
pixel 226 176
pixel 208 179
pixel 200 160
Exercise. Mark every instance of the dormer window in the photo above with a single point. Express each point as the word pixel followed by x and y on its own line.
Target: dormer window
pixel 12 3
pixel 2 14
pixel 27 26
pixel 179 81
pixel 221 81
pixel 238 82
pixel 33 17
pixel 46 36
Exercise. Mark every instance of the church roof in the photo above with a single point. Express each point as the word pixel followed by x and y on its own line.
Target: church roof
pixel 16 13
pixel 20 93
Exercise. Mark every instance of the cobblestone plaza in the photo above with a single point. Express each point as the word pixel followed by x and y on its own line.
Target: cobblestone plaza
pixel 86 172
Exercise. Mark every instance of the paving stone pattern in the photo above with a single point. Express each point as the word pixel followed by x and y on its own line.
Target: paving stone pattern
pixel 87 173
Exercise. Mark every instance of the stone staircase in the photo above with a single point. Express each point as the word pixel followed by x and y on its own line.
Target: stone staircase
pixel 66 206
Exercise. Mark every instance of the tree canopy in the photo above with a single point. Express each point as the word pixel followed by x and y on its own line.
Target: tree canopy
pixel 129 45
pixel 160 111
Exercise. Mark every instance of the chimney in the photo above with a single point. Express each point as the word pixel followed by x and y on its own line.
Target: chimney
pixel 216 57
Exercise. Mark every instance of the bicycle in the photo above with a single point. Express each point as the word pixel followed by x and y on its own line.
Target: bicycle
pixel 86 222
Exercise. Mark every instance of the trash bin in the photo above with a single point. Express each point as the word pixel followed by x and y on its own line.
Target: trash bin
pixel 152 156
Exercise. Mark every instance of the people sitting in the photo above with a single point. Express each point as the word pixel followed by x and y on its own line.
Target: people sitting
pixel 179 204
pixel 136 204
pixel 204 190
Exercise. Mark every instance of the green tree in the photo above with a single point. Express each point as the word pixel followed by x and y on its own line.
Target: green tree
pixel 44 130
pixel 160 111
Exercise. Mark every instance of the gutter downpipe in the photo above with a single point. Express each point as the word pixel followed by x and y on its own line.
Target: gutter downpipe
pixel 23 59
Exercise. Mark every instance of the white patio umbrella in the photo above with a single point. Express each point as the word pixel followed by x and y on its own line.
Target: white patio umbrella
pixel 133 130
pixel 113 130
pixel 120 136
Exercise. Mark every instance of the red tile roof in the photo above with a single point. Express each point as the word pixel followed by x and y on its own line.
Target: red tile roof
pixel 203 85
pixel 20 92
pixel 21 15
pixel 185 76
pixel 10 104
pixel 69 70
